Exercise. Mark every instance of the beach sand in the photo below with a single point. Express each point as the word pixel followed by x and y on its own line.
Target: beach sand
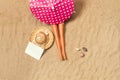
pixel 95 25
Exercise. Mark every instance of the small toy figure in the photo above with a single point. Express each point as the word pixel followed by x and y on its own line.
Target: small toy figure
pixel 54 12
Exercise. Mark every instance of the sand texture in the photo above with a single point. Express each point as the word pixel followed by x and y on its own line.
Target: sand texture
pixel 95 25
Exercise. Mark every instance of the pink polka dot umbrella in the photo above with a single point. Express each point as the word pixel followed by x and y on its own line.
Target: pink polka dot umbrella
pixel 54 12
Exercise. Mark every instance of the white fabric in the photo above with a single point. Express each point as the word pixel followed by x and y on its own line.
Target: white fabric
pixel 34 51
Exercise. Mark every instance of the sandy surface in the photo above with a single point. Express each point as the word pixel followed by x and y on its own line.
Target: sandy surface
pixel 95 25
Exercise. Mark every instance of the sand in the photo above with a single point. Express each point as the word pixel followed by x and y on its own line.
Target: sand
pixel 95 25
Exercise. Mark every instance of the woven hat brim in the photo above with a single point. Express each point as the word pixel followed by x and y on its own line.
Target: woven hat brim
pixel 50 38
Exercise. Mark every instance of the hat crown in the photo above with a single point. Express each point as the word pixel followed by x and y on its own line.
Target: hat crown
pixel 40 38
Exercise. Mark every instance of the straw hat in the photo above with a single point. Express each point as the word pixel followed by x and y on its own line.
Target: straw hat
pixel 42 37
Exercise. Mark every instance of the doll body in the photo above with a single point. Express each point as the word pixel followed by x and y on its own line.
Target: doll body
pixel 54 12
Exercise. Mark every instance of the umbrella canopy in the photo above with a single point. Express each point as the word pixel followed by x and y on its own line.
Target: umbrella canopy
pixel 52 11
